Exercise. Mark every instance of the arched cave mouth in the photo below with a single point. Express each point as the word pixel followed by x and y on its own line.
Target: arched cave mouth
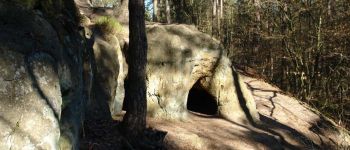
pixel 201 101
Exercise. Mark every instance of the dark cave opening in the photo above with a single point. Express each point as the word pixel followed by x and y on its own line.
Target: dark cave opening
pixel 201 101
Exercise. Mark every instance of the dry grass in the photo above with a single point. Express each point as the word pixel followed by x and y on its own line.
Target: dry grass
pixel 108 25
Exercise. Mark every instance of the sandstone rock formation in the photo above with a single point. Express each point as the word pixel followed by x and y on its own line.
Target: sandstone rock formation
pixel 30 99
pixel 111 71
pixel 178 57
pixel 42 84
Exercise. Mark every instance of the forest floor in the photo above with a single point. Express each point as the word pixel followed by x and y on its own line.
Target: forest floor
pixel 286 123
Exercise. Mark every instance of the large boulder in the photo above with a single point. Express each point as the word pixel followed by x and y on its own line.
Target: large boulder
pixel 30 99
pixel 111 70
pixel 42 84
pixel 180 56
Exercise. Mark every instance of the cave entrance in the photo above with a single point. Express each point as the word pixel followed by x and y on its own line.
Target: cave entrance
pixel 200 101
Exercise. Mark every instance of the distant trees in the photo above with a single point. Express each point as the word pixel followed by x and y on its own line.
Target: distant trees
pixel 161 11
pixel 302 46
pixel 292 45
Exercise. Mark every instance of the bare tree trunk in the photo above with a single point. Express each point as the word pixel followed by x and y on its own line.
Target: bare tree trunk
pixel 155 10
pixel 134 121
pixel 330 8
pixel 221 9
pixel 284 45
pixel 167 11
pixel 213 30
pixel 218 19
pixel 214 7
pixel 319 52
pixel 257 6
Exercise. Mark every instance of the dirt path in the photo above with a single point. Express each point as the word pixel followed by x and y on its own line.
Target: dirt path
pixel 286 123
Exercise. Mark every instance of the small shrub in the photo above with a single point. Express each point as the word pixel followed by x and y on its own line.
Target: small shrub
pixel 108 25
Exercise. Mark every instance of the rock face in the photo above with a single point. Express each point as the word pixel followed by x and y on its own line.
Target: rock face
pixel 30 99
pixel 178 57
pixel 41 75
pixel 111 70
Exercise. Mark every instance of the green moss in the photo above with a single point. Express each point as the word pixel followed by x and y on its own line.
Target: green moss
pixel 108 25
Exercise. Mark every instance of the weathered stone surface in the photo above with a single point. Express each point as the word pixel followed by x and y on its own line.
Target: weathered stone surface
pixel 111 70
pixel 30 101
pixel 178 57
pixel 48 96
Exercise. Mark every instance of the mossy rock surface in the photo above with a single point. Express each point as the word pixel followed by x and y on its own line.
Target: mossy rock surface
pixel 108 25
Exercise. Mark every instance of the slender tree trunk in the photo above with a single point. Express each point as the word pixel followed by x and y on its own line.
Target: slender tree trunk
pixel 218 13
pixel 180 11
pixel 213 28
pixel 319 52
pixel 134 121
pixel 257 6
pixel 155 10
pixel 284 44
pixel 214 7
pixel 221 9
pixel 167 11
pixel 330 8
